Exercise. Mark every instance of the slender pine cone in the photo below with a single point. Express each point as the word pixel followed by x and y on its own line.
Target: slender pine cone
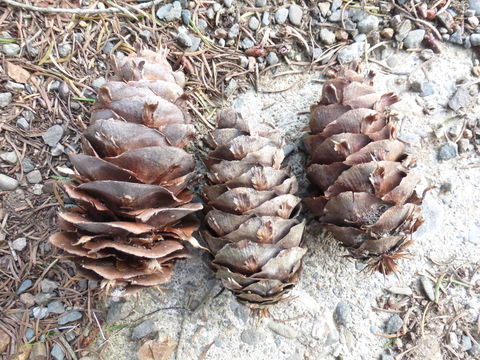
pixel 133 210
pixel 367 194
pixel 252 227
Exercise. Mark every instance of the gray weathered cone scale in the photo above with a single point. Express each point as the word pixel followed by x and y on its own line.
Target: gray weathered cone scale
pixel 252 228
pixel 366 190
pixel 133 212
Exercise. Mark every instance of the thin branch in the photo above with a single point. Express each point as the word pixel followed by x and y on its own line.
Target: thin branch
pixel 109 10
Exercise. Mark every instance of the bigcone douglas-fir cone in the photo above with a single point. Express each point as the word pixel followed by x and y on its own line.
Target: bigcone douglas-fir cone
pixel 252 226
pixel 367 192
pixel 133 213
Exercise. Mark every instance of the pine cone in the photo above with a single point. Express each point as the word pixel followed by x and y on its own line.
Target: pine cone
pixel 133 210
pixel 367 196
pixel 252 228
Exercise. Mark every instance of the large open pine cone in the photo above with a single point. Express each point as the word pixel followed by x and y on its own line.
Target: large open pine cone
pixel 133 210
pixel 252 227
pixel 368 198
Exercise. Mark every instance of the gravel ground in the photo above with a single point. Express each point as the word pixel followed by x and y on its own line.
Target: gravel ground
pixel 337 311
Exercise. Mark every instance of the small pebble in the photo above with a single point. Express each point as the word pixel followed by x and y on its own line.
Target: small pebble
pixel 394 324
pixel 186 16
pixel 98 82
pixel 260 3
pixel 202 25
pixel 29 334
pixel 266 18
pixel 426 54
pixel 184 39
pixel 351 52
pixel 57 352
pixel 446 19
pixel 118 310
pixel 196 41
pixel 401 290
pixel 473 20
pixel 228 3
pixel 387 33
pixel 341 35
pixel 448 151
pixel 216 7
pixel 474 351
pixel 234 31
pixel 360 38
pixel 342 312
pixel 145 329
pixel 244 62
pixel 251 336
pixel 170 12
pixel 427 287
pixel 39 312
pixel 53 135
pixel 23 124
pixel 272 58
pixel 461 99
pixel 19 244
pixel 27 299
pixel 295 14
pixel 69 317
pixel 247 43
pixel 14 86
pixel 5 99
pixel 253 23
pixel 64 50
pixel 146 34
pixel 337 15
pixel 283 330
pixel 7 183
pixel 387 357
pixel 43 298
pixel 9 157
pixel 221 42
pixel 403 30
pixel 11 49
pixel 48 285
pixel 475 39
pixel 210 13
pixel 456 37
pixel 414 39
pixel 281 16
pixel 34 177
pixel 24 286
pixel 327 36
pixel 27 165
pixel 336 4
pixel 466 343
pixel 368 24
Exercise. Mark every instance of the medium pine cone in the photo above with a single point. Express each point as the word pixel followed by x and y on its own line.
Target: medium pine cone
pixel 252 228
pixel 133 211
pixel 368 198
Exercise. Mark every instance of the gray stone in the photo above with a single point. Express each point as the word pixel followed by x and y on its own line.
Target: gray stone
pixel 460 99
pixel 98 82
pixel 394 324
pixel 337 15
pixel 474 5
pixel 170 12
pixel 281 15
pixel 260 3
pixel 27 165
pixel 210 13
pixel 253 23
pixel 184 40
pixel 283 330
pixel 216 7
pixel 466 343
pixel 37 189
pixel 360 38
pixel 28 115
pixel 69 317
pixel 272 58
pixel 427 287
pixel 448 151
pixel 23 124
pixel 56 307
pixel 266 18
pixel 456 37
pixel 234 31
pixel 251 336
pixel 29 334
pixel 7 183
pixel 221 42
pixel 327 36
pixel 57 352
pixel 351 52
pixel 145 329
pixel 342 312
pixel 19 244
pixel 186 16
pixel 474 351
pixel 247 43
pixel 9 157
pixel 228 3
pixel 446 19
pixel 295 14
pixel 370 23
pixel 475 39
pixel 357 14
pixel 108 47
pixel 52 136
pixel 14 86
pixel 196 41
pixel 118 310
pixel 336 4
pixel 403 30
pixel 426 54
pixel 414 39
pixel 316 53
pixel 202 25
pixel 145 34
pixel 43 298
pixel 11 49
pixel 64 50
pixel 244 62
pixel 39 312
pixel 48 285
pixel 5 99
pixel 387 357
pixel 24 286
pixel 34 177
